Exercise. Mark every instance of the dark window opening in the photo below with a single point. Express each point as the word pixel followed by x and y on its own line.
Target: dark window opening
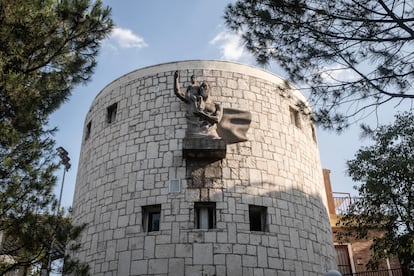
pixel 151 216
pixel 88 130
pixel 257 218
pixel 313 133
pixel 294 117
pixel 205 215
pixel 111 113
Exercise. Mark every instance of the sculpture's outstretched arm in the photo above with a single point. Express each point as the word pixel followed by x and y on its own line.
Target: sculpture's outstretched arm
pixel 177 89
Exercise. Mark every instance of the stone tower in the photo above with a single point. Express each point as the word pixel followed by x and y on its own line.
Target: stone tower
pixel 161 199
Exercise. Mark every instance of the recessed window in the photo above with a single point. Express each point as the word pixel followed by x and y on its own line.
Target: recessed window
pixel 111 113
pixel 313 133
pixel 205 215
pixel 151 218
pixel 294 117
pixel 88 130
pixel 258 218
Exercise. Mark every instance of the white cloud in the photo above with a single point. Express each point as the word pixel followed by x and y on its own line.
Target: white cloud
pixel 231 46
pixel 125 38
pixel 338 73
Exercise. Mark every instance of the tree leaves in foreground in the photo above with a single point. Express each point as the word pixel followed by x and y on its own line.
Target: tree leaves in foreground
pixel 353 56
pixel 386 193
pixel 46 48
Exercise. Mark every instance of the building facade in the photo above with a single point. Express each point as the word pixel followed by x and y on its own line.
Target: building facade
pixel 159 200
pixel 354 253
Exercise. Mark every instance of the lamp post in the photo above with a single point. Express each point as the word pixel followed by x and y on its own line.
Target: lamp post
pixel 64 160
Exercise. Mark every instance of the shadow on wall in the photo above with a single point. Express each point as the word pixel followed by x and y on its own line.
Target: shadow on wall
pixel 295 237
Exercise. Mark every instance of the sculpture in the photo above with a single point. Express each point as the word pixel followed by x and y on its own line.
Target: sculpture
pixel 209 119
pixel 202 113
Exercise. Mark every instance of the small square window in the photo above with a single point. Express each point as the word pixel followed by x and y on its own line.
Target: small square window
pixel 174 186
pixel 205 215
pixel 88 130
pixel 258 218
pixel 151 216
pixel 111 113
pixel 294 117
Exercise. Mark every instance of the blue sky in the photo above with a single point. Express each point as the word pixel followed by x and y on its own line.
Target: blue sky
pixel 157 31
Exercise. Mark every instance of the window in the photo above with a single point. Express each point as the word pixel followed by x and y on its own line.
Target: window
pixel 88 130
pixel 294 117
pixel 174 186
pixel 151 218
pixel 257 218
pixel 205 215
pixel 111 113
pixel 313 133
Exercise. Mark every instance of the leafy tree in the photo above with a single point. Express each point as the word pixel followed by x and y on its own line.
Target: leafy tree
pixel 46 48
pixel 352 55
pixel 385 171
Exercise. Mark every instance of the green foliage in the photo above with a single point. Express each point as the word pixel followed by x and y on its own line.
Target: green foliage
pixel 34 240
pixel 46 48
pixel 353 56
pixel 386 193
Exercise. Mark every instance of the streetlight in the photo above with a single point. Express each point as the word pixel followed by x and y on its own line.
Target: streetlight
pixel 64 159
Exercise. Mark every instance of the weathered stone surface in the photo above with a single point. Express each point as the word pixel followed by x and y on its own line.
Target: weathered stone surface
pixel 234 265
pixel 127 164
pixel 204 148
pixel 203 253
pixel 158 266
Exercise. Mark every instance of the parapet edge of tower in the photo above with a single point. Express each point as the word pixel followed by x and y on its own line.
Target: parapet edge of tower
pixel 201 64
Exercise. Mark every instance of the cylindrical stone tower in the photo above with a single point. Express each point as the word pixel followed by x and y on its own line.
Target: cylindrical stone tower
pixel 162 199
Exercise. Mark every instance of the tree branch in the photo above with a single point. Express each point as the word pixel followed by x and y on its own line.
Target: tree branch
pixel 398 20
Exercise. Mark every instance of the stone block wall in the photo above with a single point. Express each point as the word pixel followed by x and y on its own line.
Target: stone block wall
pixel 127 163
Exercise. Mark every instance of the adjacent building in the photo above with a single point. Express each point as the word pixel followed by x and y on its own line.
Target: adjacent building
pixel 353 254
